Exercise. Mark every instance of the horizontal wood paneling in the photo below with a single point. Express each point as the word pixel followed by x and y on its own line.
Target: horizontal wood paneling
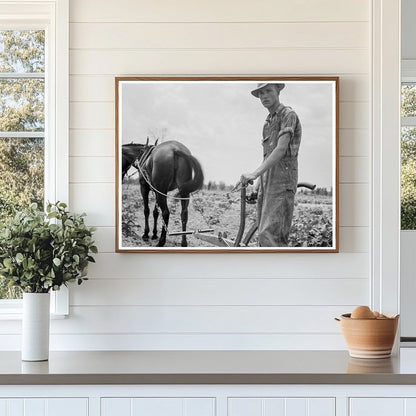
pixel 92 169
pixel 86 115
pixel 105 238
pixel 92 88
pixel 354 142
pixel 354 87
pixel 219 291
pixel 354 202
pixel 96 199
pixel 98 88
pixel 94 143
pixel 230 266
pixel 353 115
pixel 354 239
pixel 354 170
pixel 218 35
pixel 201 319
pixel 184 341
pixel 161 320
pixel 218 11
pixel 300 61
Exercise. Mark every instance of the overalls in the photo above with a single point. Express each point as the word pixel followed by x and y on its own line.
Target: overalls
pixel 278 184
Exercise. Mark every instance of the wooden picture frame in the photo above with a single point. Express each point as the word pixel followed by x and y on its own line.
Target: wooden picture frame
pixel 218 127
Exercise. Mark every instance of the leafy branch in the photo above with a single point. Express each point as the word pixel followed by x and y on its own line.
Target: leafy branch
pixel 42 251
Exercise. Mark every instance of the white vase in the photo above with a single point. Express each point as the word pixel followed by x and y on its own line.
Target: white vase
pixel 35 326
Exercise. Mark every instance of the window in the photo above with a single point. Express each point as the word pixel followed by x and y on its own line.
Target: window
pixel 408 151
pixel 22 124
pixel 33 110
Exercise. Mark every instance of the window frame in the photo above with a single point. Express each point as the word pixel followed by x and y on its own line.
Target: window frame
pixel 53 17
pixel 385 157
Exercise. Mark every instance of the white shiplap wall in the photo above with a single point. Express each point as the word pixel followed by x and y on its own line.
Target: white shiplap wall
pixel 214 301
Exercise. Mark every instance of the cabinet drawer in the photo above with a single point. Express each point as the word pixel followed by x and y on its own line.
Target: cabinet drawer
pixel 382 406
pixel 279 406
pixel 44 407
pixel 158 406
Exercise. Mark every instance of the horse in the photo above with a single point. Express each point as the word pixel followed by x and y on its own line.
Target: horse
pixel 169 166
pixel 129 154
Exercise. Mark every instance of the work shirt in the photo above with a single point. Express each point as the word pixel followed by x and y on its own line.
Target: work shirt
pixel 278 184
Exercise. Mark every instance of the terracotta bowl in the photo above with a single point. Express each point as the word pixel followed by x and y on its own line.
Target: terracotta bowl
pixel 369 338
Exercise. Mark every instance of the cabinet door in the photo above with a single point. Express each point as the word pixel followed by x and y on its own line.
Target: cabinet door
pixel 272 406
pixel 382 406
pixel 44 407
pixel 158 406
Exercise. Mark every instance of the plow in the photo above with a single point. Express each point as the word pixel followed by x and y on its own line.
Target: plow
pixel 243 238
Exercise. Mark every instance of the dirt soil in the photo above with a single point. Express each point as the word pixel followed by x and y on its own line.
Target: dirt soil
pixel 220 210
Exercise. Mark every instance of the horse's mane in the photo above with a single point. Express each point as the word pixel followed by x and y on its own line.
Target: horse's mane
pixel 133 144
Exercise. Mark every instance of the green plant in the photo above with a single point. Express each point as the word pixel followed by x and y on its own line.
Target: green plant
pixel 42 251
pixel 408 196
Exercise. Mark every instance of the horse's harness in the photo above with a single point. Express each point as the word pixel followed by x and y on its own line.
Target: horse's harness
pixel 139 162
pixel 140 165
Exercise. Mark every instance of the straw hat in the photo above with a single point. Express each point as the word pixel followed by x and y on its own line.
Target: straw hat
pixel 262 85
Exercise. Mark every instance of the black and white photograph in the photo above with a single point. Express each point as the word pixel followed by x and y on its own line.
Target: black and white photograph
pixel 233 164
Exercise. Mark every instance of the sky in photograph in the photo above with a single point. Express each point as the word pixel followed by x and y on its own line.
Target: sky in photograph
pixel 221 123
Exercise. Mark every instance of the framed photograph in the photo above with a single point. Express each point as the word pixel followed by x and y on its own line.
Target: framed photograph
pixel 227 164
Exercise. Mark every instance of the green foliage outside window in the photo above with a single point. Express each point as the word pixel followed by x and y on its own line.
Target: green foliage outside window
pixel 408 180
pixel 408 160
pixel 408 104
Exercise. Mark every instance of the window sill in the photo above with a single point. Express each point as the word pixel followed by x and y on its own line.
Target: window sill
pixel 17 316
pixel 11 309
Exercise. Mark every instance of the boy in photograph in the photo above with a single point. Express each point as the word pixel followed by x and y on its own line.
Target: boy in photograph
pixel 277 175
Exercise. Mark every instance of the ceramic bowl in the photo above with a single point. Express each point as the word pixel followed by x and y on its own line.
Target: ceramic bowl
pixel 369 338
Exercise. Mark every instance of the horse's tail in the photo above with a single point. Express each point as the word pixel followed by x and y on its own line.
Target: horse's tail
pixel 197 180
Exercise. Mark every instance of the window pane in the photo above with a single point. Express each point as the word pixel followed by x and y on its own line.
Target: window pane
pixel 22 105
pixel 22 51
pixel 408 178
pixel 408 100
pixel 408 144
pixel 21 173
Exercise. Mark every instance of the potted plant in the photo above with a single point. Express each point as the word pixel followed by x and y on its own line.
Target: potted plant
pixel 39 252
